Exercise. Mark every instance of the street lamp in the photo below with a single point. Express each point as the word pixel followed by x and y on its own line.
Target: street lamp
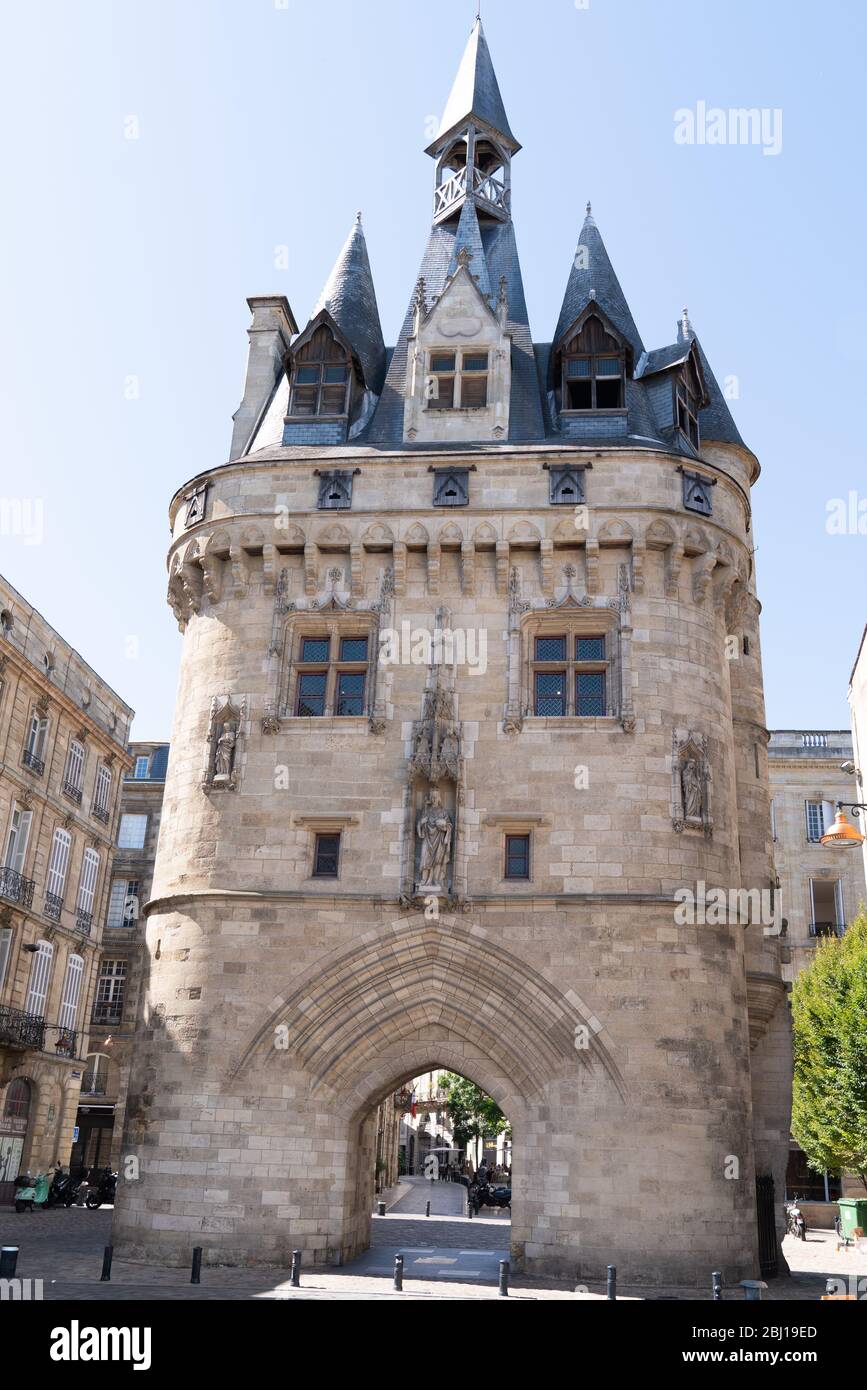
pixel 843 834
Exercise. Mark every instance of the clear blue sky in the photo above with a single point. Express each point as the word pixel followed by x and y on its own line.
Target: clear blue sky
pixel 262 126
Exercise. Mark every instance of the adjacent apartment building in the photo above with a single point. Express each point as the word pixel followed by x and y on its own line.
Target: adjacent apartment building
pixel 63 735
pixel 119 979
pixel 822 887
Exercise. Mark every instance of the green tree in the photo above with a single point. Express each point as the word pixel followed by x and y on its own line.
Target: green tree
pixel 829 1016
pixel 473 1114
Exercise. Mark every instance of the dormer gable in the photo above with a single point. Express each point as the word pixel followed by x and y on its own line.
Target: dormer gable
pixel 589 365
pixel 325 381
pixel 677 387
pixel 458 379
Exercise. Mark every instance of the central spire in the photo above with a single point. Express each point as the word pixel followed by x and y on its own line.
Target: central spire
pixel 475 144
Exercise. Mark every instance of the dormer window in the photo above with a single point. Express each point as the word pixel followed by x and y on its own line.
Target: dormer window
pixel 593 369
pixel 457 381
pixel 320 377
pixel 688 400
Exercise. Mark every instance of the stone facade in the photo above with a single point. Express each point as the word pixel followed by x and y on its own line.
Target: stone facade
pixel 63 733
pixel 858 705
pixel 637 1056
pixel 121 972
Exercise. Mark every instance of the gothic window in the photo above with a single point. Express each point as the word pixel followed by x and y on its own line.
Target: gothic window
pixel 335 489
pixel 688 393
pixel 326 856
pixel 331 673
pixel 320 376
pixel 593 370
pixel 565 486
pixel 517 856
pixel 457 381
pixel 451 487
pixel 697 493
pixel 568 673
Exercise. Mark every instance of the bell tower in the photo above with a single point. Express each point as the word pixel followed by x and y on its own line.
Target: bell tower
pixel 474 147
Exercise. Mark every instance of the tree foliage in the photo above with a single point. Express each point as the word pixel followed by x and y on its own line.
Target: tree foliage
pixel 829 1016
pixel 473 1114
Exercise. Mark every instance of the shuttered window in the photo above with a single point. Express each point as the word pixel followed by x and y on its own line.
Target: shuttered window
pixel 87 885
pixel 103 788
pixel 59 863
pixel 40 975
pixel 71 991
pixel 5 950
pixel 19 834
pixel 74 766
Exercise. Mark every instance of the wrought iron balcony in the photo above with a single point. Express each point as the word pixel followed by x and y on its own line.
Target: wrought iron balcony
pixel 53 906
pixel 64 1045
pixel 93 1084
pixel 83 921
pixel 101 813
pixel 109 1015
pixel 35 764
pixel 826 928
pixel 72 791
pixel 18 1029
pixel 16 888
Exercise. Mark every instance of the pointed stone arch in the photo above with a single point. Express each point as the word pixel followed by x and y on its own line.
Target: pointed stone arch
pixel 443 976
pixel 416 537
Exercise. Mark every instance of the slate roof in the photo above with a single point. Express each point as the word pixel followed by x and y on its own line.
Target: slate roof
pixel 350 298
pixel 475 92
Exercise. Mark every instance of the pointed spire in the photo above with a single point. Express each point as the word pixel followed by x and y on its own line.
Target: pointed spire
pixel 350 298
pixel 592 277
pixel 476 92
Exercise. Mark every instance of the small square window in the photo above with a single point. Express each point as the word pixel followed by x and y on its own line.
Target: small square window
pixel 475 363
pixel 350 692
pixel 314 648
pixel 442 362
pixel 332 374
pixel 326 856
pixel 550 648
pixel 452 489
pixel 311 693
pixel 305 376
pixel 474 392
pixel 590 649
pixel 353 649
pixel 518 856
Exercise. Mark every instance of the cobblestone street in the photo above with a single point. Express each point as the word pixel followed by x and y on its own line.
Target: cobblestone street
pixel 441 1252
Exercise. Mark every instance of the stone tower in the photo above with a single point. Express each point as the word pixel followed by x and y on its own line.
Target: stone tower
pixel 471 688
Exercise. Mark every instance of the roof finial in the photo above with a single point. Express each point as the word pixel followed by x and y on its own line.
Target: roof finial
pixel 589 208
pixel 358 218
pixel 685 325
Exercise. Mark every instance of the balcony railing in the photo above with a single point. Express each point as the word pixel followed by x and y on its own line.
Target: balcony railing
pixel 110 1015
pixel 83 921
pixel 826 928
pixel 16 888
pixel 101 813
pixel 65 1041
pixel 72 791
pixel 35 764
pixel 93 1085
pixel 53 906
pixel 18 1029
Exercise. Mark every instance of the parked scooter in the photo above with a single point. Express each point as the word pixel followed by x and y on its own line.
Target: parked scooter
pixel 102 1191
pixel 795 1223
pixel 486 1195
pixel 63 1191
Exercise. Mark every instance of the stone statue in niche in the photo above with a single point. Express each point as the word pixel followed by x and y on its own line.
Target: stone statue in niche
pixel 691 783
pixel 434 830
pixel 224 757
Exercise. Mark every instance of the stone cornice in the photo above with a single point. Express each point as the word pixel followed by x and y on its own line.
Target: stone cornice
pixel 77 713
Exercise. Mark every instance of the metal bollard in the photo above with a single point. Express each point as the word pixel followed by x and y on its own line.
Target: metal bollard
pixel 380 1208
pixel 716 1283
pixel 8 1261
pixel 196 1275
pixel 105 1277
pixel 504 1279
pixel 753 1289
pixel 427 1208
pixel 469 1209
pixel 398 1273
pixel 295 1270
pixel 611 1291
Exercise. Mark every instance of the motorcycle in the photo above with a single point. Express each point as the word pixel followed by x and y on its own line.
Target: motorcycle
pixel 486 1195
pixel 103 1192
pixel 63 1190
pixel 795 1223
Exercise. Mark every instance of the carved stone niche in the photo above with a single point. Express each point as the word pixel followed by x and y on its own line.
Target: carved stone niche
pixel 690 782
pixel 225 731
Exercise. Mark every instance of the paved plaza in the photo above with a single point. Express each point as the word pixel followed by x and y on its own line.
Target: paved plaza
pixel 445 1256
